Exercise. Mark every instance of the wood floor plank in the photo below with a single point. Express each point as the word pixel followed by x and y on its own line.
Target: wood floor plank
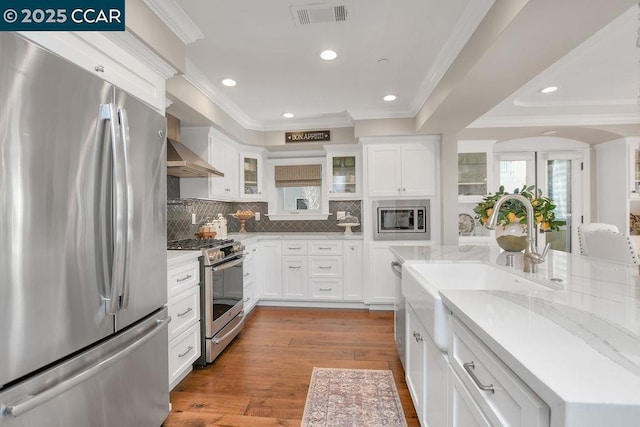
pixel 262 378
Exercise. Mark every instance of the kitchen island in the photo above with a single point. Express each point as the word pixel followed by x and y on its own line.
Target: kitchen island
pixel 574 341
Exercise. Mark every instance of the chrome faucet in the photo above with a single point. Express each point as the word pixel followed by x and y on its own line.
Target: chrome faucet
pixel 531 255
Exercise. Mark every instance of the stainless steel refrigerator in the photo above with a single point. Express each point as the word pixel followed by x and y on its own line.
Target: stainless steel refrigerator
pixel 83 323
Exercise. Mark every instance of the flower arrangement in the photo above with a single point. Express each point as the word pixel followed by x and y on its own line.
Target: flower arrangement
pixel 513 211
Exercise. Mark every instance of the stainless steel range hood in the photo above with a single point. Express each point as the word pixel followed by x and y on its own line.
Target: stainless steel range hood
pixel 181 161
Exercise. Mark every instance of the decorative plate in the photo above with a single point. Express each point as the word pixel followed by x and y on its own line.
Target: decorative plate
pixel 466 224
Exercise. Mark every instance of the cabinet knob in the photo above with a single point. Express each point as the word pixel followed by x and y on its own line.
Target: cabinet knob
pixel 404 189
pixel 399 190
pixel 99 68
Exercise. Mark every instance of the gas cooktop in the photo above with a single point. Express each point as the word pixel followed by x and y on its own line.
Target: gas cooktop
pixel 196 244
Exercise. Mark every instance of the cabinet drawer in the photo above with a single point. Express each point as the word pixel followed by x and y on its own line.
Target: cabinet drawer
pixel 326 289
pixel 506 400
pixel 183 351
pixel 250 296
pixel 325 247
pixel 325 266
pixel 184 310
pixel 182 277
pixel 294 247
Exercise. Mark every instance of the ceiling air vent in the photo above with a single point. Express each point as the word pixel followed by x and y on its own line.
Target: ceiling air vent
pixel 319 13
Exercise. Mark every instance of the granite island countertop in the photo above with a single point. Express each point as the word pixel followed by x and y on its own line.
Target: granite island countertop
pixel 576 343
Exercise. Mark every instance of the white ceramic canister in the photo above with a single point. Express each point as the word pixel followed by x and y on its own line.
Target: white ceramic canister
pixel 223 226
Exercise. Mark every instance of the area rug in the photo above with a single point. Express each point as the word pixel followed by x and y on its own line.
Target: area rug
pixel 352 398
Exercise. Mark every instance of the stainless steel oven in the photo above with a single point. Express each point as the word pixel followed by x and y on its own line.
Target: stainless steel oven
pixel 224 304
pixel 401 220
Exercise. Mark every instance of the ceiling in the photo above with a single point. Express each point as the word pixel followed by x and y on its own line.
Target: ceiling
pixel 403 48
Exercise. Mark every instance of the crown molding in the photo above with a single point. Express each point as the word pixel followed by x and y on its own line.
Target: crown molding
pixel 556 120
pixel 176 19
pixel 204 85
pixel 129 43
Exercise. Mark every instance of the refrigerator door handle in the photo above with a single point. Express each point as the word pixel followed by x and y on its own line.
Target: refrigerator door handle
pixel 28 402
pixel 120 214
pixel 104 207
pixel 112 210
pixel 125 140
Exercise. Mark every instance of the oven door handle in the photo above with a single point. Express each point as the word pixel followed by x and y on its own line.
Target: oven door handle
pixel 227 265
pixel 240 325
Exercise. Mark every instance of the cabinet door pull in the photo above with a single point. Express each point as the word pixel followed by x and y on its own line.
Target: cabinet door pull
pixel 326 289
pixel 294 266
pixel 187 277
pixel 417 336
pixel 324 248
pixel 186 352
pixel 294 247
pixel 188 310
pixel 469 366
pixel 322 267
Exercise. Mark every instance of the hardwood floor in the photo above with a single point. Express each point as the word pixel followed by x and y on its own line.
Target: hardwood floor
pixel 262 378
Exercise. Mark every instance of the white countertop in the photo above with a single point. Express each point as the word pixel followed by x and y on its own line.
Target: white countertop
pixel 577 346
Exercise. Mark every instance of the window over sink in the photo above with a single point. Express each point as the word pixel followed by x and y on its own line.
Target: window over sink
pixel 299 192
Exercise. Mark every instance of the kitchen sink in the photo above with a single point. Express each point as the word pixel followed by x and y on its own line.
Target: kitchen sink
pixel 422 282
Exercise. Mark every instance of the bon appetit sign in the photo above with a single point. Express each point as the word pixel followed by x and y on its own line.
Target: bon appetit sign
pixel 307 136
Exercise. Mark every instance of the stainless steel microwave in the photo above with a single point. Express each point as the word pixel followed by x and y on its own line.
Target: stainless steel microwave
pixel 401 220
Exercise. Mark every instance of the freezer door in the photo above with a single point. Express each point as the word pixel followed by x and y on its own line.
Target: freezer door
pixel 54 224
pixel 121 382
pixel 145 285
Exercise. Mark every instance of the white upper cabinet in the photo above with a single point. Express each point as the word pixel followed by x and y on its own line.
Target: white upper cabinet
pixel 251 172
pixel 402 169
pixel 344 173
pixel 221 153
pixel 118 58
pixel 226 157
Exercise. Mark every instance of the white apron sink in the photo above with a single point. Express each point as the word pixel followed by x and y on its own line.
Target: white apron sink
pixel 421 284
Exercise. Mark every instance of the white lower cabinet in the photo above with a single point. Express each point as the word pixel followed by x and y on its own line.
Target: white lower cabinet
pixel 250 277
pixel 326 288
pixel 183 281
pixel 311 270
pixel 463 411
pixel 352 272
pixel 503 398
pixel 294 277
pixel 426 373
pixel 183 351
pixel 381 281
pixel 269 267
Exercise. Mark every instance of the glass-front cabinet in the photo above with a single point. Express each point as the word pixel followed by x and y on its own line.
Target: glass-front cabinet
pixel 472 174
pixel 344 175
pixel 475 180
pixel 251 176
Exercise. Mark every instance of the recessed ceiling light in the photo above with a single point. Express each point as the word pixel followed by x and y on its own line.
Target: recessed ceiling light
pixel 549 132
pixel 549 89
pixel 328 55
pixel 287 115
pixel 229 82
pixel 390 97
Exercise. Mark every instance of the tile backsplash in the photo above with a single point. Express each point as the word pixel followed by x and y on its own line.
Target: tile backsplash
pixel 179 217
